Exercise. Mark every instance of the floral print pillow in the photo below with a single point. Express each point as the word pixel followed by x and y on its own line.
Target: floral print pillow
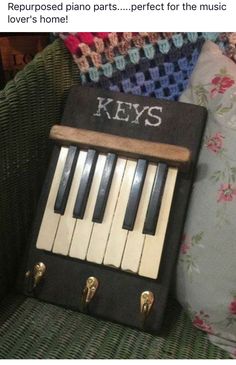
pixel 206 270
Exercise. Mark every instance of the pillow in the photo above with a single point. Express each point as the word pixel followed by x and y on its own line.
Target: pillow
pixel 206 270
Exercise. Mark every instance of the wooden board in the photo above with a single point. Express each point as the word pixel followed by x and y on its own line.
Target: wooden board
pixel 123 146
pixel 118 295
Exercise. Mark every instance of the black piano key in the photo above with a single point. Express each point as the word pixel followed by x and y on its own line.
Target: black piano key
pixel 66 180
pixel 85 184
pixel 155 200
pixel 135 194
pixel 104 188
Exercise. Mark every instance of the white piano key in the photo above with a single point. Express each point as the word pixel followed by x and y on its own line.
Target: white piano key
pixel 118 235
pixel 67 222
pixel 83 227
pixel 51 219
pixel 101 231
pixel 153 245
pixel 135 240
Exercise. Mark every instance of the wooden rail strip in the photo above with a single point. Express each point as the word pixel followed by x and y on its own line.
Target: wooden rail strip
pixel 130 147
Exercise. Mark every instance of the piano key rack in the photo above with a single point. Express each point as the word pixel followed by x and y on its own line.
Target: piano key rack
pixel 110 217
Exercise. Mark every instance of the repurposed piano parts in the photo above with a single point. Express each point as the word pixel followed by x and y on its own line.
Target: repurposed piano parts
pixel 109 222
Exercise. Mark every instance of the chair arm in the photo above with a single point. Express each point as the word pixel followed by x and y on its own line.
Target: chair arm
pixel 29 105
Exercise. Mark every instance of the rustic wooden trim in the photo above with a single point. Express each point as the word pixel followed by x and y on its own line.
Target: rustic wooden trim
pixel 130 147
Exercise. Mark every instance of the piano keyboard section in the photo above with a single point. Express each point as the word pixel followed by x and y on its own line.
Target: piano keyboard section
pixel 104 188
pixel 85 184
pixel 135 239
pixel 67 221
pixel 121 218
pixel 50 219
pixel 135 194
pixel 118 235
pixel 155 200
pixel 153 244
pixel 66 180
pixel 83 227
pixel 100 234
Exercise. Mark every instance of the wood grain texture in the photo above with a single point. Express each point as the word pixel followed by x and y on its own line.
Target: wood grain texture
pixel 130 147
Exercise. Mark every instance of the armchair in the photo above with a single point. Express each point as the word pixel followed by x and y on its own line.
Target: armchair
pixel 29 105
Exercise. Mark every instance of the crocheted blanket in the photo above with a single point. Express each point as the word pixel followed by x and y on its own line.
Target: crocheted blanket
pixel 149 64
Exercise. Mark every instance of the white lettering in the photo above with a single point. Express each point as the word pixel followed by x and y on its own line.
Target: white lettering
pixel 147 122
pixel 102 107
pixel 138 113
pixel 122 110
